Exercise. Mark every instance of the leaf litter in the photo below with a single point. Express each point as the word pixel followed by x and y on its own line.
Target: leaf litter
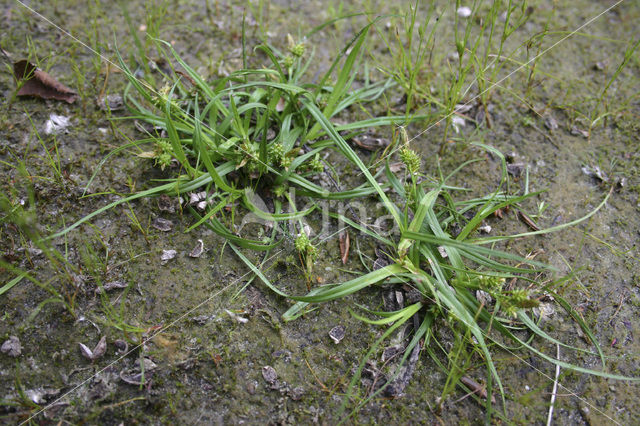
pixel 40 84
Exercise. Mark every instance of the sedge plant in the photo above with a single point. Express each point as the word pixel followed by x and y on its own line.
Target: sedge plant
pixel 265 129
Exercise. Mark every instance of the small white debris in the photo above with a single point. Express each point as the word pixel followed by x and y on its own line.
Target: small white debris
pixel 56 124
pixel 579 132
pixel 97 352
pixel 241 320
pixel 149 365
pixel 485 229
pixel 457 122
pixel 544 311
pixel 196 197
pixel 464 12
pixel 167 255
pixel 111 286
pixel 110 103
pixel 462 108
pixel 443 252
pixel 40 395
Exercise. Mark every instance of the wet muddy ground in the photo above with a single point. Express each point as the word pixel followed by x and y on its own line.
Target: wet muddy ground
pixel 222 328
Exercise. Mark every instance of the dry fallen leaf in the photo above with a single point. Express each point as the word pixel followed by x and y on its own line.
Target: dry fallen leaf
pixel 40 84
pixel 344 246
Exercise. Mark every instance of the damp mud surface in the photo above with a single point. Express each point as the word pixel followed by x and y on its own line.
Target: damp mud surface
pixel 224 354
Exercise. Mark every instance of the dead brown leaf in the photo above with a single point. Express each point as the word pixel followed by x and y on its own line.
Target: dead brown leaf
pixel 344 246
pixel 528 221
pixel 40 84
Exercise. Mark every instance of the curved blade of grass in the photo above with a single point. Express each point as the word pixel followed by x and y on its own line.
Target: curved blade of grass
pixel 361 228
pixel 486 240
pixel 583 325
pixel 217 227
pixel 364 360
pixel 352 156
pixel 566 365
pixel 476 250
pixel 8 286
pixel 395 316
pixel 331 292
pixel 204 154
pixel 272 216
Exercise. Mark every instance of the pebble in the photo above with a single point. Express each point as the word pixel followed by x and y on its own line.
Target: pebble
pixel 163 225
pixel 12 347
pixel 269 374
pixel 337 333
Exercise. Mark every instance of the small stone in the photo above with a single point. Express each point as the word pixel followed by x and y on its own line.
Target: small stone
pixel 251 387
pixel 269 374
pixel 297 393
pixel 110 103
pixel 575 131
pixel 112 285
pixel 121 345
pixel 550 122
pixel 337 333
pixel 167 255
pixel 516 169
pixel 12 347
pixel 600 65
pixel 166 204
pixel 163 225
pixel 197 250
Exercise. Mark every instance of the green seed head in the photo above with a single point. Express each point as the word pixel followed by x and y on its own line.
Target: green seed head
pixel 288 61
pixel 163 160
pixel 298 49
pixel 286 162
pixel 280 190
pixel 316 164
pixel 410 159
pixel 302 241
